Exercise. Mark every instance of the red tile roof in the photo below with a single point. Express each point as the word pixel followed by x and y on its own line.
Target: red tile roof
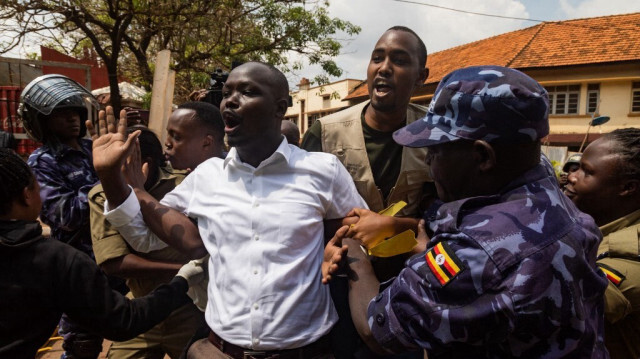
pixel 595 40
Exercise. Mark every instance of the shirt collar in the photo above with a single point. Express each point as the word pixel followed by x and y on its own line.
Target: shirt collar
pixel 282 152
pixel 621 223
pixel 165 174
pixel 447 214
pixel 62 150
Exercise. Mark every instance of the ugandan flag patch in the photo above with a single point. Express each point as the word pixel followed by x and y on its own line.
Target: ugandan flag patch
pixel 443 263
pixel 613 275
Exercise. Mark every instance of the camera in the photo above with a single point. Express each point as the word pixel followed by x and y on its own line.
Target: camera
pixel 214 91
pixel 218 78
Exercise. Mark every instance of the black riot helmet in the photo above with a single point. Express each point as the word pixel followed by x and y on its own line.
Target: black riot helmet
pixel 46 93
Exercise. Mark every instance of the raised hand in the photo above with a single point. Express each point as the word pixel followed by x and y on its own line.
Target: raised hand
pixel 135 171
pixel 111 145
pixel 333 253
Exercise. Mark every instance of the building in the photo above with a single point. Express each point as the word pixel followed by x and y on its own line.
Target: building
pixel 15 74
pixel 590 67
pixel 311 103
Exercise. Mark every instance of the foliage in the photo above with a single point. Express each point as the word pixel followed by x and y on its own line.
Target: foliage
pixel 146 100
pixel 201 34
pixel 557 167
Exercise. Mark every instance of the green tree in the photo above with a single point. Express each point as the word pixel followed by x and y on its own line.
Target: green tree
pixel 201 34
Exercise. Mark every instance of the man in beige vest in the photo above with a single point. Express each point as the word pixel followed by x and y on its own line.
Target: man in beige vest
pixel 383 171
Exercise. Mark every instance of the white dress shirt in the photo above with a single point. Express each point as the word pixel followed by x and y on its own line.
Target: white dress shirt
pixel 263 228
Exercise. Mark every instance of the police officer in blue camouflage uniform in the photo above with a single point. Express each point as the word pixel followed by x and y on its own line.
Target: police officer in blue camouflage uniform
pixel 510 268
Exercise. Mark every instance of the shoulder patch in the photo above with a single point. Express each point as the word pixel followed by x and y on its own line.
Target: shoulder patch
pixel 613 275
pixel 443 262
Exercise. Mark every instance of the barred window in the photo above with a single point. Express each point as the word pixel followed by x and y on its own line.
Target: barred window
pixel 635 97
pixel 563 100
pixel 593 97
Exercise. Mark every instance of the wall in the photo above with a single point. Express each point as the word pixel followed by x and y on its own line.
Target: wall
pixel 9 121
pixel 319 101
pixel 99 75
pixel 615 96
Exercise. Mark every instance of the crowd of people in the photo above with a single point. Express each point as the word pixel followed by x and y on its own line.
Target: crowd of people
pixel 263 251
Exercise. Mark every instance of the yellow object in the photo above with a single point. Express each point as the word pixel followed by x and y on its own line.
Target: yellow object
pixel 48 346
pixel 398 244
pixel 393 209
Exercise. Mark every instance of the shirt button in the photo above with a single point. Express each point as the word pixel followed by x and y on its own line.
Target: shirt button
pixel 256 204
pixel 380 319
pixel 255 306
pixel 378 297
pixel 255 271
pixel 256 237
pixel 256 341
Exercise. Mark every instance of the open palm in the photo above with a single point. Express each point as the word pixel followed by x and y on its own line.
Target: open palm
pixel 111 144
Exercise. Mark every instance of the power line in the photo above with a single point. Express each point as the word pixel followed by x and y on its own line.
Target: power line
pixel 469 12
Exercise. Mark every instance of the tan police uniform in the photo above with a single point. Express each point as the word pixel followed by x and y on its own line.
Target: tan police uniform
pixel 619 255
pixel 171 335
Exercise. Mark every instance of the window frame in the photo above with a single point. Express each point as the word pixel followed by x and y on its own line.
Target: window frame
pixel 635 97
pixel 570 98
pixel 592 89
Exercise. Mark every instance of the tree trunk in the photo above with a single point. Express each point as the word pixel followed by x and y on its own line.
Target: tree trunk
pixel 114 90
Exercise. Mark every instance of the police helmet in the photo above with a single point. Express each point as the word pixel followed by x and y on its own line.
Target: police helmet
pixel 49 92
pixel 572 160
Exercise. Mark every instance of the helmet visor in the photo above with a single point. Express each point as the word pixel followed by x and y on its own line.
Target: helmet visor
pixel 54 91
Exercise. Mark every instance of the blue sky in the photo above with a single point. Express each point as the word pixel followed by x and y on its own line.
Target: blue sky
pixel 442 29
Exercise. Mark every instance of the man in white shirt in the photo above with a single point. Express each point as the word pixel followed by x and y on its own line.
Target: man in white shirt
pixel 260 214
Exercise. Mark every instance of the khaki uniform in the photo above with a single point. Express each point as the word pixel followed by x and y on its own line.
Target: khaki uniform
pixel 620 260
pixel 171 335
pixel 342 136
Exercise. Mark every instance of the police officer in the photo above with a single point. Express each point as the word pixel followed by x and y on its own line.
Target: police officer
pixel 572 165
pixel 510 269
pixel 607 187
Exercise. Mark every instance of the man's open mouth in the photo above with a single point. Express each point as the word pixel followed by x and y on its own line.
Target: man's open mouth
pixel 231 121
pixel 382 88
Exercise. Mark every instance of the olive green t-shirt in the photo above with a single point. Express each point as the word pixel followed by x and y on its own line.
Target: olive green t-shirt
pixel 385 155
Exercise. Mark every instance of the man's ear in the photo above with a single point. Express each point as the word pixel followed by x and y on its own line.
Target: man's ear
pixel 207 141
pixel 29 196
pixel 630 188
pixel 424 73
pixel 484 155
pixel 281 107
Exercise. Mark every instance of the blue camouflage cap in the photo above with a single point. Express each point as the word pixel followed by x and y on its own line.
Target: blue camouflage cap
pixel 482 103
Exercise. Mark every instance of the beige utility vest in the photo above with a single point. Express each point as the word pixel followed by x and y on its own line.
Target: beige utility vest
pixel 342 136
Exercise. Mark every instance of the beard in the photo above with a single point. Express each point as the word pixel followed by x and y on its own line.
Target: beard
pixel 383 107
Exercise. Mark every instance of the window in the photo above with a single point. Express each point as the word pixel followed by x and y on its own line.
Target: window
pixel 563 100
pixel 635 97
pixel 313 118
pixel 593 97
pixel 292 118
pixel 326 101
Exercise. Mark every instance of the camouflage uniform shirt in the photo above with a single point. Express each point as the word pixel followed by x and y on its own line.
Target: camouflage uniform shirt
pixel 66 176
pixel 509 275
